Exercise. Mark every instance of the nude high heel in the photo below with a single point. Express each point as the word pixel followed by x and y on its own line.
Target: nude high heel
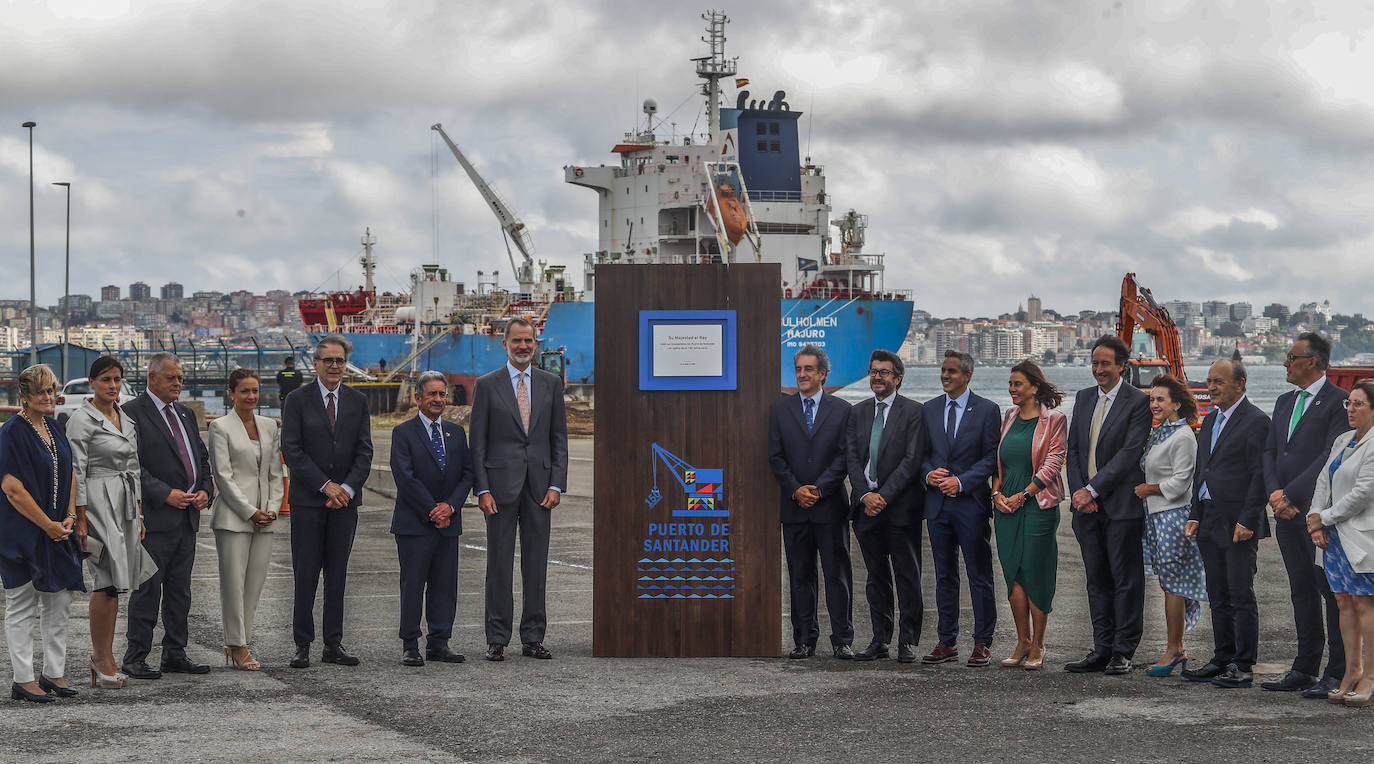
pixel 105 682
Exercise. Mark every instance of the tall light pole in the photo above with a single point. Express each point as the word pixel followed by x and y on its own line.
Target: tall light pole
pixel 67 281
pixel 33 289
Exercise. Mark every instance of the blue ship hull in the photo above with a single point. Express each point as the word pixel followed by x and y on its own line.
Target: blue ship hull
pixel 847 330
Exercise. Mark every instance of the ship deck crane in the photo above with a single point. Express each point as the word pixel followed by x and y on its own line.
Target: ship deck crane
pixel 512 229
pixel 1139 310
pixel 704 487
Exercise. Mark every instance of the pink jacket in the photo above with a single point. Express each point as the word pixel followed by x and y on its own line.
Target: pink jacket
pixel 1048 449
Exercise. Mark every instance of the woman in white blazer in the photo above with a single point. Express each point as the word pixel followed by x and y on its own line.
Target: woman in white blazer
pixel 245 457
pixel 1342 523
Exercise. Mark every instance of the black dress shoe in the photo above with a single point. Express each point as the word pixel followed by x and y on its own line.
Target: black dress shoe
pixel 1204 674
pixel 51 686
pixel 1118 665
pixel 442 654
pixel 844 652
pixel 535 650
pixel 302 659
pixel 180 664
pixel 875 651
pixel 1291 682
pixel 1091 663
pixel 19 693
pixel 1233 678
pixel 496 652
pixel 906 653
pixel 1318 690
pixel 140 669
pixel 411 657
pixel 802 651
pixel 337 655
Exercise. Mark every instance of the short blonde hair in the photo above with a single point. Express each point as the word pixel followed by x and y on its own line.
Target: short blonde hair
pixel 34 380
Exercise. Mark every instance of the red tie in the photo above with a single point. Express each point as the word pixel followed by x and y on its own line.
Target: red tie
pixel 181 445
pixel 333 412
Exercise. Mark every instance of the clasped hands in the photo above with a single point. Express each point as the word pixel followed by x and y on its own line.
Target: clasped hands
pixel 441 515
pixel 1283 508
pixel 336 496
pixel 1084 502
pixel 263 518
pixel 1008 504
pixel 807 496
pixel 941 479
pixel 183 500
pixel 1317 530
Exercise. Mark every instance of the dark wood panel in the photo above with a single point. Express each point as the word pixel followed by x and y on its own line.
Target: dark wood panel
pixel 709 429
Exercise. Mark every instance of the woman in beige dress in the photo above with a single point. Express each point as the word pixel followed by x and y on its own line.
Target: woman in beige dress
pixel 109 519
pixel 245 457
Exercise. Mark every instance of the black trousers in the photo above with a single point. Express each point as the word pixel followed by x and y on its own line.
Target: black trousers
pixel 1231 594
pixel 803 544
pixel 1114 564
pixel 892 554
pixel 321 541
pixel 429 581
pixel 169 590
pixel 533 523
pixel 1309 589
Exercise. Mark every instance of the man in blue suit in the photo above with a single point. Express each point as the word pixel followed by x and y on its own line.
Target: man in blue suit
pixel 806 450
pixel 429 460
pixel 964 431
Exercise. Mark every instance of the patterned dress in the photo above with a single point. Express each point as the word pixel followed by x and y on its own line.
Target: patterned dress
pixel 1339 573
pixel 1169 554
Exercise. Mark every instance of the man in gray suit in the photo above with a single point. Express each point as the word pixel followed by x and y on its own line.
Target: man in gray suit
pixel 519 440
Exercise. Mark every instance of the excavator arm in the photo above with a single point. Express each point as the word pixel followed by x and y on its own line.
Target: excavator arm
pixel 1139 310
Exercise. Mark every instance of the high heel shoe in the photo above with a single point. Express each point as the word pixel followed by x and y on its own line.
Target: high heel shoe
pixel 55 688
pixel 1162 669
pixel 19 693
pixel 1036 664
pixel 248 664
pixel 1014 662
pixel 1360 700
pixel 106 682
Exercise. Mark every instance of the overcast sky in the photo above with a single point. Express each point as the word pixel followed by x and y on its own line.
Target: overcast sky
pixel 1220 150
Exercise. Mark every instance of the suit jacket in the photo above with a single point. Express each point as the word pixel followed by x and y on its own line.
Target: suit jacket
pixel 421 484
pixel 160 463
pixel 901 451
pixel 799 457
pixel 317 453
pixel 505 459
pixel 1346 500
pixel 242 487
pixel 972 457
pixel 1234 473
pixel 1048 451
pixel 1293 463
pixel 1120 442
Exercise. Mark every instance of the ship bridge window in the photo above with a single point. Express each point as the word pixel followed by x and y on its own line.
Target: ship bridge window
pixel 763 128
pixel 772 128
pixel 775 147
pixel 763 147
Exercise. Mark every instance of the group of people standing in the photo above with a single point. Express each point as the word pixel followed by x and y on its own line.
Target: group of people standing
pixel 1147 495
pixel 119 490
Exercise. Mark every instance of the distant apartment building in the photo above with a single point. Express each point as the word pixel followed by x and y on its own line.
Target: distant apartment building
pixel 1262 324
pixel 1216 309
pixel 109 310
pixel 109 293
pixel 81 304
pixel 140 291
pixel 1009 345
pixel 1322 309
pixel 1240 311
pixel 1033 312
pixel 172 291
pixel 1277 311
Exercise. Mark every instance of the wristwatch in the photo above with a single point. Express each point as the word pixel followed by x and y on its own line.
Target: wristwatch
pixel 1027 494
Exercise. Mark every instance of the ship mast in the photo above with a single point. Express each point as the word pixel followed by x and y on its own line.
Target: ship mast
pixel 368 264
pixel 713 68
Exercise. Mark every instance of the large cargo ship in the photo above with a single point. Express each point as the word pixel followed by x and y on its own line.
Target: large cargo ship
pixel 740 193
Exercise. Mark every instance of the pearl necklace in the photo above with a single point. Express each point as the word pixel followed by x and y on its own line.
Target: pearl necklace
pixel 51 443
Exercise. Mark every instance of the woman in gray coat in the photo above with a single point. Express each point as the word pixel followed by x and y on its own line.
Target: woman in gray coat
pixel 108 508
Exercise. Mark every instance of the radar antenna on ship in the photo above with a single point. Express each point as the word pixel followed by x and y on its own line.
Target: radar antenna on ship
pixel 713 68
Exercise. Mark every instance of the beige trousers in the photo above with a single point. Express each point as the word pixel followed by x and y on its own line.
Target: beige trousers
pixel 243 562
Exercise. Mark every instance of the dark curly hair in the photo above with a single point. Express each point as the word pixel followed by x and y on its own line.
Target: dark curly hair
pixel 1046 394
pixel 1180 394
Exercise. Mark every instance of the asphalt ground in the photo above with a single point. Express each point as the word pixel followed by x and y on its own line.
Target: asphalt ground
pixel 580 708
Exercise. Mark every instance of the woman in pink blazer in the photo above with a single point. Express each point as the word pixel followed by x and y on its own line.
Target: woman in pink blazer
pixel 1026 494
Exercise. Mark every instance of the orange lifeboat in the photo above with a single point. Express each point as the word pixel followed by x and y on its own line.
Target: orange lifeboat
pixel 731 213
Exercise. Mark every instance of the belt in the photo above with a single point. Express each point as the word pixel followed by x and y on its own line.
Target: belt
pixel 130 483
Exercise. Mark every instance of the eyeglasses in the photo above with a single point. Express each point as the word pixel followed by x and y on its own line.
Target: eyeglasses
pixel 1296 357
pixel 332 361
pixel 884 373
pixel 1354 404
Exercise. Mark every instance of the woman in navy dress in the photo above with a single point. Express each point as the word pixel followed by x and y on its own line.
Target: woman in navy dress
pixel 40 561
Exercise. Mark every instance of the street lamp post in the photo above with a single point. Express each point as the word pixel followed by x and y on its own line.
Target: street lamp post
pixel 67 286
pixel 33 289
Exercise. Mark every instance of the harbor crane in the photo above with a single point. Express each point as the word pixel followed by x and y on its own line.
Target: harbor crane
pixel 705 488
pixel 512 228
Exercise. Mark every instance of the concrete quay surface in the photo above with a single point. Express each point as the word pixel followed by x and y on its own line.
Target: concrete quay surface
pixel 580 708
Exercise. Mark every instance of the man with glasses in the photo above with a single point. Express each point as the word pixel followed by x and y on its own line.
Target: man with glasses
pixel 326 440
pixel 1305 424
pixel 885 445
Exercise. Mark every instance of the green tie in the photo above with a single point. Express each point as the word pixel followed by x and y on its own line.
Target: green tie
pixel 873 441
pixel 1297 411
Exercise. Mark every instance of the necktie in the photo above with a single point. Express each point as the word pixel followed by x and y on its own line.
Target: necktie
pixel 522 397
pixel 874 441
pixel 436 437
pixel 182 450
pixel 333 412
pixel 1297 411
pixel 810 412
pixel 1093 432
pixel 1216 433
pixel 949 421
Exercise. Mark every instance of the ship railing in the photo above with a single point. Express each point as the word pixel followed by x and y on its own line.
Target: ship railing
pixel 774 196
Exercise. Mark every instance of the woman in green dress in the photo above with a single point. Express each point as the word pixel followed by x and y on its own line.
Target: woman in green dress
pixel 1026 494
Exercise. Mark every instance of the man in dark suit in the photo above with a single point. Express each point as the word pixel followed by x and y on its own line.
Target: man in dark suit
pixel 806 450
pixel 1228 520
pixel 1111 424
pixel 964 431
pixel 429 460
pixel 326 439
pixel 519 437
pixel 884 448
pixel 1306 422
pixel 176 486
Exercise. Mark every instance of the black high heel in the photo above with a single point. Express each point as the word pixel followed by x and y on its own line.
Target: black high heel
pixel 19 693
pixel 54 687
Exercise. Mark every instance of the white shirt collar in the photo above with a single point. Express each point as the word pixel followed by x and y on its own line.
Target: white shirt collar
pixel 428 422
pixel 158 401
pixel 514 372
pixel 887 400
pixel 1316 387
pixel 962 400
pixel 1111 394
pixel 1227 412
pixel 324 391
pixel 815 399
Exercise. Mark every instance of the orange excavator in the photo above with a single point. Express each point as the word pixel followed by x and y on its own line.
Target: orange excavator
pixel 1139 310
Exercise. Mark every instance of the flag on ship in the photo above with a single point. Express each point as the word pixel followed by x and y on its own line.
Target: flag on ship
pixel 806 264
pixel 741 82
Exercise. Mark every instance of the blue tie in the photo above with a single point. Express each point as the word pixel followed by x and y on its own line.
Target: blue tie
pixel 810 412
pixel 1216 433
pixel 949 421
pixel 436 438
